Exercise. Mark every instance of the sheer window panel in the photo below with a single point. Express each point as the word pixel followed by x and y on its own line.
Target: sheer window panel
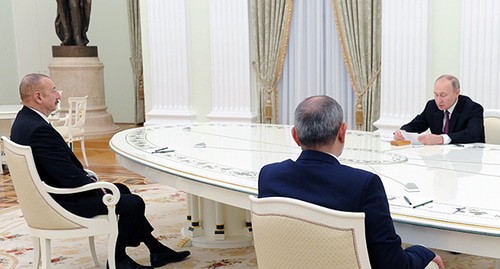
pixel 314 64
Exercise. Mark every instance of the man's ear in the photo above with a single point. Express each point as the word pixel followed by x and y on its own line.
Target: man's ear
pixel 295 136
pixel 37 97
pixel 342 132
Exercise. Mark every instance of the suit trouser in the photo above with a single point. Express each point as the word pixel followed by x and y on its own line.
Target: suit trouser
pixel 133 226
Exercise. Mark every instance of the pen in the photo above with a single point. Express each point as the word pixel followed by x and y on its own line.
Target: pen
pixel 407 200
pixel 161 149
pixel 422 204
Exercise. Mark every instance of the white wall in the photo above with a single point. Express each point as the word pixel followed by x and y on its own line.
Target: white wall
pixel 444 39
pixel 200 64
pixel 109 31
pixel 28 34
pixel 8 59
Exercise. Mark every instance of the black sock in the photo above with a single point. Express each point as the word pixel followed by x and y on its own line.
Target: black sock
pixel 154 245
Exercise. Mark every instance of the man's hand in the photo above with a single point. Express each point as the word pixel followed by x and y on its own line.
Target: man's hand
pixel 431 139
pixel 438 261
pixel 398 135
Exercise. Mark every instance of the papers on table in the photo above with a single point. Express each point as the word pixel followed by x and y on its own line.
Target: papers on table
pixel 413 137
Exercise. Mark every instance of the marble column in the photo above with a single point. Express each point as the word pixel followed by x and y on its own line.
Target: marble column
pixel 480 52
pixel 169 60
pixel 231 65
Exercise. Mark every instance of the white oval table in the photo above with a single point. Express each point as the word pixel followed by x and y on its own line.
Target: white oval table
pixel 457 191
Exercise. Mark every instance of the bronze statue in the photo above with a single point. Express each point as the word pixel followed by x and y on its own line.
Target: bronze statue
pixel 72 22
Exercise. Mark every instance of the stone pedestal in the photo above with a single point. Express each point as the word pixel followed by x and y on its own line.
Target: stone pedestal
pixel 77 71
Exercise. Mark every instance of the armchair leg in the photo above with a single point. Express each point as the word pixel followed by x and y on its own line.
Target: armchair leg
pixel 111 249
pixel 36 252
pixel 82 143
pixel 45 251
pixel 92 251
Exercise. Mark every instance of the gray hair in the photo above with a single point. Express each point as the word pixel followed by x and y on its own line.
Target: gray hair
pixel 29 84
pixel 318 120
pixel 455 84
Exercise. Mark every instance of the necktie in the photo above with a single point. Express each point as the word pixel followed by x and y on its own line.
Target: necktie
pixel 446 121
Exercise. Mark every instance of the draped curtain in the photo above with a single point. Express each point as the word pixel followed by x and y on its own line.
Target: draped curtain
pixel 314 64
pixel 359 28
pixel 136 58
pixel 270 20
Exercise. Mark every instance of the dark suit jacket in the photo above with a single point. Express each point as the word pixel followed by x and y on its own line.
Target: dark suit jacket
pixel 319 178
pixel 55 162
pixel 466 122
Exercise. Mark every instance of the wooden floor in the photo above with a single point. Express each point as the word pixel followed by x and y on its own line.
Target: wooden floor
pixel 101 160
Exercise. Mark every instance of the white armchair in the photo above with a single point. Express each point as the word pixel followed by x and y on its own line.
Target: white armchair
pixel 73 128
pixel 289 233
pixel 492 126
pixel 48 220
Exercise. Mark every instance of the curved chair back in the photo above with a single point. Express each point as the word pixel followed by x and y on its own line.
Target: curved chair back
pixel 74 122
pixel 492 126
pixel 289 233
pixel 77 111
pixel 39 209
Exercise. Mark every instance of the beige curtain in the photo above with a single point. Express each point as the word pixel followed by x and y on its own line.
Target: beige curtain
pixel 359 28
pixel 136 58
pixel 270 28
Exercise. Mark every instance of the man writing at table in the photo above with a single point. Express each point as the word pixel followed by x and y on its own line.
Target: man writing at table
pixel 451 117
pixel 59 167
pixel 318 177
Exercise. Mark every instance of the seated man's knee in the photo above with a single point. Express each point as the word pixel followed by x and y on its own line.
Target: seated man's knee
pixel 131 204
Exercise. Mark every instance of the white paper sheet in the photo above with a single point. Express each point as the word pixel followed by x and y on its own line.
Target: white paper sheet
pixel 413 137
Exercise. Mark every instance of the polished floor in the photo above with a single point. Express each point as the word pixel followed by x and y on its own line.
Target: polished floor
pixel 101 160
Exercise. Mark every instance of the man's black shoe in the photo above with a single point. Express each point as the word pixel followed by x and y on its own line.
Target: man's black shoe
pixel 167 256
pixel 128 263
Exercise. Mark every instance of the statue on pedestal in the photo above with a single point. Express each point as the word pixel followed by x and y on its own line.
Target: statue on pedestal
pixel 72 22
pixel 76 68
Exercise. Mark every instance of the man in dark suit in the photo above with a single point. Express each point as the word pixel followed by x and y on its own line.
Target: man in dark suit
pixel 59 167
pixel 318 177
pixel 451 117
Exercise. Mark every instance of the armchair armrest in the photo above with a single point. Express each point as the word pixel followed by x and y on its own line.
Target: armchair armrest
pixel 109 199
